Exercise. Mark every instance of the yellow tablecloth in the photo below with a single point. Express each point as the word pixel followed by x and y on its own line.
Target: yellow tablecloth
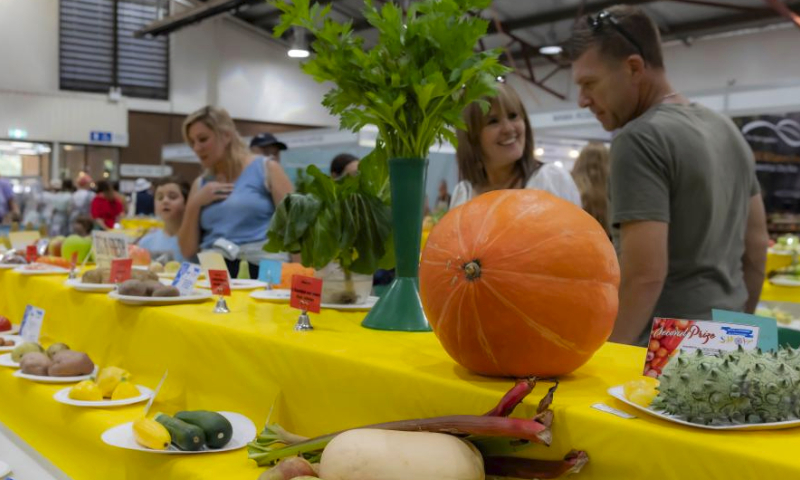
pixel 338 376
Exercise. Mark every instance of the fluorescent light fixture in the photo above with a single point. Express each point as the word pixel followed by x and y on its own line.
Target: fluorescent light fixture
pixel 558 164
pixel 298 53
pixel 539 152
pixel 17 133
pixel 299 44
pixel 574 153
pixel 21 144
pixel 27 151
pixel 550 50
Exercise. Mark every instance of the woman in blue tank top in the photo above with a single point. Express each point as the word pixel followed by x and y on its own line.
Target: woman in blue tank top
pixel 231 204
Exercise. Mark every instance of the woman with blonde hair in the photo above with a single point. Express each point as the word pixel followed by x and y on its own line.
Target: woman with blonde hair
pixel 496 152
pixel 591 175
pixel 231 204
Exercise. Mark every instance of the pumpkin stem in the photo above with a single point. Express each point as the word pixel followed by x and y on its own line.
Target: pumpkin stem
pixel 472 270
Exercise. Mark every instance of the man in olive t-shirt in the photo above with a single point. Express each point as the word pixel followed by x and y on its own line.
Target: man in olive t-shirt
pixel 688 218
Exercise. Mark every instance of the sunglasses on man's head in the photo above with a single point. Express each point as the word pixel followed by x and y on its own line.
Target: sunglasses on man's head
pixel 596 23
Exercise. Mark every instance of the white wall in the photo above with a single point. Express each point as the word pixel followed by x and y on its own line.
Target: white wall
pixel 216 62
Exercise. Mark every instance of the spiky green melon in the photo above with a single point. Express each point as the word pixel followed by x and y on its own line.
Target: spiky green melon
pixel 734 388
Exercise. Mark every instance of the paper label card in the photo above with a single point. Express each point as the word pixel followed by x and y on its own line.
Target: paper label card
pixel 186 278
pixel 306 293
pixel 108 246
pixel 767 327
pixel 31 253
pixel 220 282
pixel 20 240
pixel 121 270
pixel 270 271
pixel 31 325
pixel 669 336
pixel 212 261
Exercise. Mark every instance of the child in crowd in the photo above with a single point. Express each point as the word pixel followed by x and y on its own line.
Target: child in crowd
pixel 82 226
pixel 170 203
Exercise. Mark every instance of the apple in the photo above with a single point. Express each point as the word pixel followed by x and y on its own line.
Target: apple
pixel 139 255
pixel 5 324
pixel 76 243
pixel 54 247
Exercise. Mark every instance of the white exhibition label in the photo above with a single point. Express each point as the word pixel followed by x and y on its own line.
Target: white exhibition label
pixel 31 324
pixel 109 246
pixel 186 278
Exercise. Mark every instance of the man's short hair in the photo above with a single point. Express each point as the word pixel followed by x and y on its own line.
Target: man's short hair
pixel 619 32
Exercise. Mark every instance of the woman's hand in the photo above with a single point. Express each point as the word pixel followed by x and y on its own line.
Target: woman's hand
pixel 212 192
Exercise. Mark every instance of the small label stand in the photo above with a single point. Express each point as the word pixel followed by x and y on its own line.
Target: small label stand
pixel 222 287
pixel 73 262
pixel 306 296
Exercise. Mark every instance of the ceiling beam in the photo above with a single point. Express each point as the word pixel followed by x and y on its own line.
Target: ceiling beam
pixel 559 15
pixel 783 10
pixel 189 16
pixel 709 3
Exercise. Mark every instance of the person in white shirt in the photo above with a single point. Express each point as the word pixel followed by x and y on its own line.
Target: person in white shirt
pixel 496 152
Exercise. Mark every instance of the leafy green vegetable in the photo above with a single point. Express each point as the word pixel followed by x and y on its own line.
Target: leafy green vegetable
pixel 346 220
pixel 415 82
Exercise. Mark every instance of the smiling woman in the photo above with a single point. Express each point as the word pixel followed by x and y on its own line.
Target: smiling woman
pixel 496 152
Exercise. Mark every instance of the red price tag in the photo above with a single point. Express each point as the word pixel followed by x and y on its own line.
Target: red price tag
pixel 73 260
pixel 121 270
pixel 220 284
pixel 306 293
pixel 31 253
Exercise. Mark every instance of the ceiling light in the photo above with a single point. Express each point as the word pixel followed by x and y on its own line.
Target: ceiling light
pixel 299 45
pixel 574 153
pixel 539 152
pixel 550 50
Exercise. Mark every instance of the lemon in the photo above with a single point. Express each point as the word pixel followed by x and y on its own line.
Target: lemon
pixel 125 389
pixel 87 391
pixel 109 378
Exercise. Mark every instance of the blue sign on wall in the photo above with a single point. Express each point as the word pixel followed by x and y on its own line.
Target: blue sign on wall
pixel 100 136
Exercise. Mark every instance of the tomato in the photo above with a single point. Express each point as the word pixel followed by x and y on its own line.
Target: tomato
pixel 654 345
pixel 662 352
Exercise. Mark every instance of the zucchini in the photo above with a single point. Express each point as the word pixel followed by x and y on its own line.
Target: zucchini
pixel 185 436
pixel 218 429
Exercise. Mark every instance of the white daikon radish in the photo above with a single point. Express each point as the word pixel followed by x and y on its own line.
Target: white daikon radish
pixel 369 454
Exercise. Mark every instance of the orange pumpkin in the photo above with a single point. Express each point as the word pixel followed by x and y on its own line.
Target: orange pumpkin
pixel 519 283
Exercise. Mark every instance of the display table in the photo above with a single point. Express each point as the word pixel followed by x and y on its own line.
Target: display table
pixel 340 375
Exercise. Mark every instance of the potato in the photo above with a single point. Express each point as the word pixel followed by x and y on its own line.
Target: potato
pixel 143 275
pixel 166 291
pixel 69 363
pixel 369 454
pixel 151 286
pixel 134 288
pixel 35 363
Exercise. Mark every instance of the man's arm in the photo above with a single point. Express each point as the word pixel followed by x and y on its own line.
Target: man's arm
pixel 754 260
pixel 643 265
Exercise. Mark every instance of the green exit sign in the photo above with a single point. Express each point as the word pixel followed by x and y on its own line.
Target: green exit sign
pixel 17 133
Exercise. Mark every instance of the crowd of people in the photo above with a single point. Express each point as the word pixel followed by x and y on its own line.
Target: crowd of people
pixel 677 192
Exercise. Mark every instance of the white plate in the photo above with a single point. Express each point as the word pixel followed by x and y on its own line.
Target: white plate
pixel 618 393
pixel 243 432
pixel 279 295
pixel 283 296
pixel 17 339
pixel 196 296
pixel 4 469
pixel 51 270
pixel 371 301
pixel 62 396
pixel 9 266
pixel 237 284
pixel 44 379
pixel 175 274
pixel 784 281
pixel 14 330
pixel 5 361
pixel 78 285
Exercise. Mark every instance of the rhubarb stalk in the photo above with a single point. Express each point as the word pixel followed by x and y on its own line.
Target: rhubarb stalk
pixel 513 398
pixel 527 468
